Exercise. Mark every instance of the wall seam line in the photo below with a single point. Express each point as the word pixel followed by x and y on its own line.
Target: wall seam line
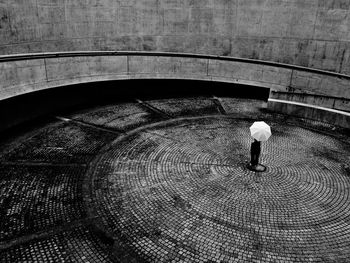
pixel 207 67
pixel 127 65
pixel 47 79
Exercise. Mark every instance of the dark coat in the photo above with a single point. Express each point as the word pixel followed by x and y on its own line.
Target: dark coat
pixel 255 148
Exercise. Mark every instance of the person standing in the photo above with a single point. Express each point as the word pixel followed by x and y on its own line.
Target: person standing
pixel 255 153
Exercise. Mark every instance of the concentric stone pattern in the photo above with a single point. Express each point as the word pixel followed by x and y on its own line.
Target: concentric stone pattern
pixel 179 191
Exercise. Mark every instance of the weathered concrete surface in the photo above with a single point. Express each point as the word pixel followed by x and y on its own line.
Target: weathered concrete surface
pixel 320 84
pixel 313 33
pixel 20 77
pixel 338 118
pixel 266 76
pixel 63 71
pixel 341 104
pixel 173 67
pixel 80 67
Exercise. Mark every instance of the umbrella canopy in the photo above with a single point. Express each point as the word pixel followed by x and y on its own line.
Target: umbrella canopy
pixel 260 131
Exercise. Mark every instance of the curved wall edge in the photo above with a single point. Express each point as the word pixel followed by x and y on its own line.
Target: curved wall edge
pixel 24 74
pixel 29 56
pixel 302 110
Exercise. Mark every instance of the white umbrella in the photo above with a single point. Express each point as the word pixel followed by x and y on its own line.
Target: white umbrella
pixel 260 131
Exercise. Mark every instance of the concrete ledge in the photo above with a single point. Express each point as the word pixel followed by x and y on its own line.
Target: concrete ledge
pixel 337 103
pixel 336 117
pixel 28 75
pixel 23 74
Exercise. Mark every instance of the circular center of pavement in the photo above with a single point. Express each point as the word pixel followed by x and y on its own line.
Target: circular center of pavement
pixel 181 191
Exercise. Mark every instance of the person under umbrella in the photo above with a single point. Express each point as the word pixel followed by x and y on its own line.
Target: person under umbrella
pixel 260 131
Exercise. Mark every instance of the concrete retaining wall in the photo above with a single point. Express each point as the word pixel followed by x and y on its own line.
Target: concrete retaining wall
pixel 24 75
pixel 338 118
pixel 19 76
pixel 337 103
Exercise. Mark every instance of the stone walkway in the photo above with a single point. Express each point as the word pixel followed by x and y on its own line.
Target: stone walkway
pixel 165 181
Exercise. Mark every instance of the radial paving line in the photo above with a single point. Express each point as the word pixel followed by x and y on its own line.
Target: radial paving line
pixel 98 127
pixel 218 104
pixel 154 109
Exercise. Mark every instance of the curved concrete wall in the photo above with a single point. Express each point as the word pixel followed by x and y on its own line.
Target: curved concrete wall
pixel 310 33
pixel 39 72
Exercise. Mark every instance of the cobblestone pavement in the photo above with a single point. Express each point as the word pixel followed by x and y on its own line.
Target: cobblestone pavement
pixel 165 181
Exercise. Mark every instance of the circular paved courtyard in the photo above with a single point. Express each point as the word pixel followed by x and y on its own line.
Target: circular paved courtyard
pixel 166 181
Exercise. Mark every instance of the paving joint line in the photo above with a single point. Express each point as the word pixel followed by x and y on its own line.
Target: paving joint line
pixel 225 111
pixel 154 109
pixel 218 104
pixel 98 127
